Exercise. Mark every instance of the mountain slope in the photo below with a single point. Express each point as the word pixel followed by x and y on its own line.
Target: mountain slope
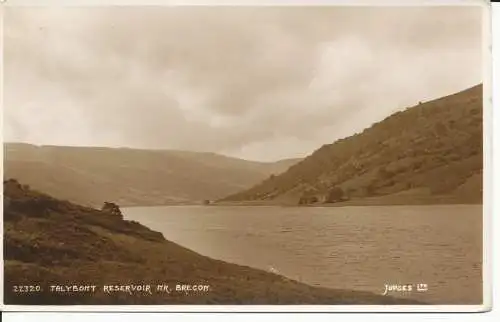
pixel 50 242
pixel 428 153
pixel 90 176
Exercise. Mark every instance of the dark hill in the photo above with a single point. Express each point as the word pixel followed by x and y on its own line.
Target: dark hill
pixel 429 153
pixel 87 175
pixel 49 242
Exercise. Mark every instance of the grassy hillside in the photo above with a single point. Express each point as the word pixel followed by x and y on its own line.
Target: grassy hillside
pixel 53 242
pixel 132 177
pixel 428 153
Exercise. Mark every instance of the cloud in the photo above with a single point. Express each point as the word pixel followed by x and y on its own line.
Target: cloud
pixel 254 82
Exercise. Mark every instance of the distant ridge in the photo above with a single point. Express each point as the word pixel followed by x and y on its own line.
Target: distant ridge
pixel 92 175
pixel 429 153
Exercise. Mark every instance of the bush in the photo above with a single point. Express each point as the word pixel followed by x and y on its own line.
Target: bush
pixel 385 174
pixel 334 195
pixel 112 208
pixel 307 200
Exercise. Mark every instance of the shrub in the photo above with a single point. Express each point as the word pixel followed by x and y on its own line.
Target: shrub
pixel 383 173
pixel 334 195
pixel 112 208
pixel 307 200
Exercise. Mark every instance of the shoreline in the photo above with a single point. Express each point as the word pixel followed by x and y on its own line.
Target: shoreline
pixel 54 242
pixel 364 202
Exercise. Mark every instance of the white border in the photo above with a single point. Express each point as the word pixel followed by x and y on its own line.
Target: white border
pixel 1 154
pixel 487 162
pixel 299 3
pixel 427 308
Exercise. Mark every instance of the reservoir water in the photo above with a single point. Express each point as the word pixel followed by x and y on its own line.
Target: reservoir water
pixel 358 248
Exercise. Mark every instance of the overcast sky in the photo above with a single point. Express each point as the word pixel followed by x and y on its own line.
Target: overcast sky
pixel 256 83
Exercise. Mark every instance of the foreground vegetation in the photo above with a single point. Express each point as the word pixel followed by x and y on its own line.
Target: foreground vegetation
pixel 53 242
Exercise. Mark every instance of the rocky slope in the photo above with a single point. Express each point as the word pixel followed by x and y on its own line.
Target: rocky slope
pixel 52 248
pixel 133 177
pixel 429 153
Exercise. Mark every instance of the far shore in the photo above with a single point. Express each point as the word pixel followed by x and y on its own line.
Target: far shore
pixel 373 201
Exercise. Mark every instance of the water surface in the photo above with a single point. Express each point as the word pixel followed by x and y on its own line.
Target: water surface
pixel 359 248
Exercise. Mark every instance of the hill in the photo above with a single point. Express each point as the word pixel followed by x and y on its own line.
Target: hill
pixel 54 248
pixel 132 177
pixel 429 153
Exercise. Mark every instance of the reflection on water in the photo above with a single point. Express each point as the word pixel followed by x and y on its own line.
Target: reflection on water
pixel 360 248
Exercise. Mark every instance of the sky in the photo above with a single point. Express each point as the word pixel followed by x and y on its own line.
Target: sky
pixel 259 83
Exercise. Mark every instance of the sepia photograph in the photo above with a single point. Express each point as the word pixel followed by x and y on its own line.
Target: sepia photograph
pixel 241 156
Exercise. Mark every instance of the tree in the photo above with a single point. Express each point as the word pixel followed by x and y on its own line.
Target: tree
pixel 307 200
pixel 370 190
pixel 112 208
pixel 385 174
pixel 335 194
pixel 441 129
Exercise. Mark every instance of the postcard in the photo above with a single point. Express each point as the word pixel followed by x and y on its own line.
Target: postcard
pixel 267 156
